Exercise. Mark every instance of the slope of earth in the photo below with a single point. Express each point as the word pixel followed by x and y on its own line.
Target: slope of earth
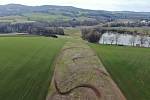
pixel 25 66
pixel 80 75
pixel 129 67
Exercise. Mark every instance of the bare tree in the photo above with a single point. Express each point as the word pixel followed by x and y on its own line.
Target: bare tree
pixel 132 40
pixel 117 36
pixel 142 40
pixel 104 39
pixel 93 36
pixel 112 39
pixel 148 41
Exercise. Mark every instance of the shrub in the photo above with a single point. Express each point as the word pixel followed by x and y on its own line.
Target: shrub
pixel 91 35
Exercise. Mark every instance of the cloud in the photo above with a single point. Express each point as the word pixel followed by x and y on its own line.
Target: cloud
pixel 135 5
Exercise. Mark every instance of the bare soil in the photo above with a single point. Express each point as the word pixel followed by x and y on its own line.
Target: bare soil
pixel 80 75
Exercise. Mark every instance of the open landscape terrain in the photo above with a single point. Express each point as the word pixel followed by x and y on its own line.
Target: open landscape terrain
pixel 26 66
pixel 51 52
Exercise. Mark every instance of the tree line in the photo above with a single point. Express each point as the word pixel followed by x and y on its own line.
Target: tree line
pixel 135 40
pixel 31 28
pixel 95 34
pixel 73 23
pixel 121 24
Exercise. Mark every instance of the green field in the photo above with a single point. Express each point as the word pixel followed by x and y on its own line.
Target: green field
pixel 129 67
pixel 14 19
pixel 26 66
pixel 33 17
pixel 46 17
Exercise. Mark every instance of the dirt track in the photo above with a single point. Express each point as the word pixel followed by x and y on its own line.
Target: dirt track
pixel 80 75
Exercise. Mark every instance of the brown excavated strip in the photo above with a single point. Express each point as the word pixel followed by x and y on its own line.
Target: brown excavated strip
pixel 81 76
pixel 95 90
pixel 72 48
pixel 81 57
pixel 76 58
pixel 100 71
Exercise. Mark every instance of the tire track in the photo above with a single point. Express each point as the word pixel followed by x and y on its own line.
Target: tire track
pixel 88 86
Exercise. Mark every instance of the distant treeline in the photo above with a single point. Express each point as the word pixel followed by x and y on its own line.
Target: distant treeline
pixel 135 24
pixel 94 34
pixel 115 30
pixel 31 28
pixel 42 27
pixel 73 23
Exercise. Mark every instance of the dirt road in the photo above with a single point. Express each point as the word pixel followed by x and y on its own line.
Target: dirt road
pixel 80 75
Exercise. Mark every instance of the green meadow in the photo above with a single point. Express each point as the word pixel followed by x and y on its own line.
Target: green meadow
pixel 26 66
pixel 129 67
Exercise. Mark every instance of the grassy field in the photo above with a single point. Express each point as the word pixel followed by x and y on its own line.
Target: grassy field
pixel 46 17
pixel 25 66
pixel 32 17
pixel 14 19
pixel 129 67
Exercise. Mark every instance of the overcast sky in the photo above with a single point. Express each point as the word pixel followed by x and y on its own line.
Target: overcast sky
pixel 112 5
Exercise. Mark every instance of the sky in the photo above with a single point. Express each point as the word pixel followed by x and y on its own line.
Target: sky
pixel 110 5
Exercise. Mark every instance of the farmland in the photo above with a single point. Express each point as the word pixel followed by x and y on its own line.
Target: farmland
pixel 14 19
pixel 129 67
pixel 69 50
pixel 33 17
pixel 45 17
pixel 26 66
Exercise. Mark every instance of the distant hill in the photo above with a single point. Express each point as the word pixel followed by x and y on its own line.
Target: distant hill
pixel 68 13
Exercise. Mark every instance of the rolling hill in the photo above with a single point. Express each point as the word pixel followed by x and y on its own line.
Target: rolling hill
pixel 68 13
